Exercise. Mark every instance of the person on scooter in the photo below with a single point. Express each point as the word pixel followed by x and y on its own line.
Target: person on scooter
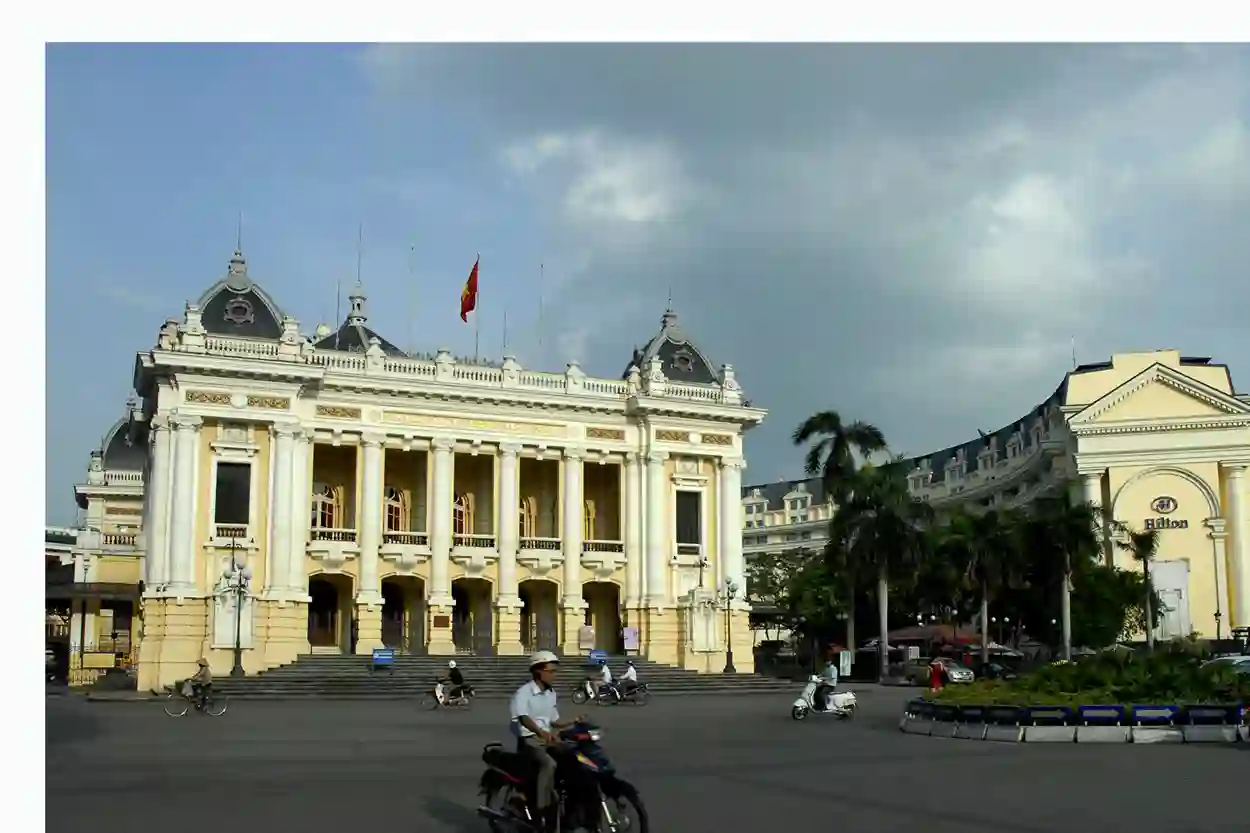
pixel 455 678
pixel 629 679
pixel 823 696
pixel 605 679
pixel 535 723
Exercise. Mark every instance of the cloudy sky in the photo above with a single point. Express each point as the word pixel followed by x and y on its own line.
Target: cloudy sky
pixel 910 235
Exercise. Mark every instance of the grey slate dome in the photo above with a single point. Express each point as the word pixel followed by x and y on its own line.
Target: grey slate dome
pixel 352 335
pixel 125 446
pixel 235 306
pixel 682 360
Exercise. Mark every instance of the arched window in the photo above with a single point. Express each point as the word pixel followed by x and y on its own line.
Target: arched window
pixel 589 531
pixel 462 520
pixel 325 506
pixel 529 517
pixel 396 507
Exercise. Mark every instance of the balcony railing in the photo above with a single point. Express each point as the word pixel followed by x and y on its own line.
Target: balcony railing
pixel 603 546
pixel 344 536
pixel 689 549
pixel 120 539
pixel 534 543
pixel 409 539
pixel 486 542
pixel 224 531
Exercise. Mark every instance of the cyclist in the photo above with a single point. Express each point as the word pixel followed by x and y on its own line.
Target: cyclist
pixel 201 684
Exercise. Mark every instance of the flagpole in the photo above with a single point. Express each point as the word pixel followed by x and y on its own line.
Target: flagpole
pixel 477 308
pixel 541 286
pixel 505 332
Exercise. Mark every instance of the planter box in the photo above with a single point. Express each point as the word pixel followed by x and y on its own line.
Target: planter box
pixel 1102 734
pixel 1049 734
pixel 1157 734
pixel 1209 734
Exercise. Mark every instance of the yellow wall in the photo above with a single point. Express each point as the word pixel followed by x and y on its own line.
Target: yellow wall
pixel 1084 388
pixel 117 569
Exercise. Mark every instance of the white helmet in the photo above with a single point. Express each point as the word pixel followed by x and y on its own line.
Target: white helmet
pixel 451 664
pixel 543 658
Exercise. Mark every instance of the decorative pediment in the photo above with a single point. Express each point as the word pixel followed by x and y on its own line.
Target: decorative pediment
pixel 1161 397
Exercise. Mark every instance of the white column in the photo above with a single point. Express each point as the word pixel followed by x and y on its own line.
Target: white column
pixel 632 513
pixel 573 522
pixel 370 518
pixel 156 525
pixel 182 543
pixel 509 524
pixel 278 574
pixel 1091 487
pixel 657 530
pixel 1239 526
pixel 301 511
pixel 440 522
pixel 730 539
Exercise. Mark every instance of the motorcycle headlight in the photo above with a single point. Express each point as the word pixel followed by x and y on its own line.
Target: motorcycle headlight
pixel 596 735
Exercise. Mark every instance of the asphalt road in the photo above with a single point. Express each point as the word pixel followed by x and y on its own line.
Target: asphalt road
pixel 719 765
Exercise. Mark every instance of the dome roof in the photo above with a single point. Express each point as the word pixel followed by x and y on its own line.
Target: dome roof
pixel 235 306
pixel 125 447
pixel 352 335
pixel 682 360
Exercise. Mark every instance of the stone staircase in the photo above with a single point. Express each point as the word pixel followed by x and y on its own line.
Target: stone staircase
pixel 352 677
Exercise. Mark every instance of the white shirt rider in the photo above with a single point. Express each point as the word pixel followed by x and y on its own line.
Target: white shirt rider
pixel 631 674
pixel 605 674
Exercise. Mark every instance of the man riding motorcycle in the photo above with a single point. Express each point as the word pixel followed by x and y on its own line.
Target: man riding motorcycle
pixel 455 678
pixel 535 723
pixel 629 679
pixel 605 679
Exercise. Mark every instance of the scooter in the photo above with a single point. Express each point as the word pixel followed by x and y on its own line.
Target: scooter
pixel 841 704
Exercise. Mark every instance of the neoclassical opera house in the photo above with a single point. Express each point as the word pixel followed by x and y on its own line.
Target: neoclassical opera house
pixel 427 504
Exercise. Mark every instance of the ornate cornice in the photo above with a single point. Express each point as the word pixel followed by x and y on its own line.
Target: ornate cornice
pixel 1161 426
pixel 1161 374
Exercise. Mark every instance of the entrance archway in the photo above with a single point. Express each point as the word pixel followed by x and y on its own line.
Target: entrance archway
pixel 403 614
pixel 603 613
pixel 472 622
pixel 330 613
pixel 540 615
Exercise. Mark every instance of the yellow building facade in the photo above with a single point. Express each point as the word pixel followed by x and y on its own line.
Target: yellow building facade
pixel 1159 439
pixel 429 504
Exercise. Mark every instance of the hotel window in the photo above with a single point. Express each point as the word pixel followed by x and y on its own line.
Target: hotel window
pixel 325 506
pixel 233 501
pixel 462 515
pixel 396 505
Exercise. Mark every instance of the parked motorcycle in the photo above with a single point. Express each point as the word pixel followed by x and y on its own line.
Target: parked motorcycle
pixel 841 704
pixel 589 794
pixel 438 697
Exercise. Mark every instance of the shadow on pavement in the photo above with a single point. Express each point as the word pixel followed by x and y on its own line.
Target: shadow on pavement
pixel 67 721
pixel 454 816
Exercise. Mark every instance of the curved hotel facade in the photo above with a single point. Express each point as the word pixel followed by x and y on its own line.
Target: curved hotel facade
pixel 1161 439
pixel 429 504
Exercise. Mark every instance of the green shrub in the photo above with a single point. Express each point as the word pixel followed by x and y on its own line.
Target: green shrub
pixel 1173 674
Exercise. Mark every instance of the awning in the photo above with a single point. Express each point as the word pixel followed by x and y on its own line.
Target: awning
pixel 104 591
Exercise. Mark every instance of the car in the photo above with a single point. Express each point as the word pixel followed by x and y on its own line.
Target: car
pixel 956 673
pixel 1239 663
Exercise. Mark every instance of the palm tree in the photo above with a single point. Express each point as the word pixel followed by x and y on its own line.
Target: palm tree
pixel 1061 530
pixel 884 528
pixel 1143 546
pixel 832 455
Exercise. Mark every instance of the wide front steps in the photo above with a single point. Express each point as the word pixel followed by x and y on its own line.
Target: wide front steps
pixel 353 677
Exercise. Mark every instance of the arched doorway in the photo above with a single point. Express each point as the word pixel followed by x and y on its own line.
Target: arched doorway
pixel 472 622
pixel 330 613
pixel 603 613
pixel 403 614
pixel 540 615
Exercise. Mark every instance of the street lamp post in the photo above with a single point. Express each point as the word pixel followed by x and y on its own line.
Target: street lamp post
pixel 703 564
pixel 238 578
pixel 729 591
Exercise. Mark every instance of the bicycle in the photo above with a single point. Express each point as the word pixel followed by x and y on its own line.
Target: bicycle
pixel 178 704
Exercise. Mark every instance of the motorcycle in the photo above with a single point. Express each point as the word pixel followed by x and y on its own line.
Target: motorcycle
pixel 609 695
pixel 438 697
pixel 840 704
pixel 589 793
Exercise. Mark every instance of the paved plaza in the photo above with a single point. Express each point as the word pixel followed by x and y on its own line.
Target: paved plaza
pixel 719 765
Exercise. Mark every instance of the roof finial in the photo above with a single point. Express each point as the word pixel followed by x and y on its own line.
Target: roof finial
pixel 238 239
pixel 356 301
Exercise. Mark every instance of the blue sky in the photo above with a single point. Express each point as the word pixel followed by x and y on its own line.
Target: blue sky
pixel 913 235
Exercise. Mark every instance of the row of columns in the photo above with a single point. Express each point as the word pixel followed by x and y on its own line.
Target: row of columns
pixel 171 540
pixel 1237 521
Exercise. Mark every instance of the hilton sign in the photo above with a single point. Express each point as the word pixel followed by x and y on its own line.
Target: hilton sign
pixel 1164 505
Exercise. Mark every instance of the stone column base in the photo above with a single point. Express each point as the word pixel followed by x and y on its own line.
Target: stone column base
pixel 662 638
pixel 175 645
pixel 285 632
pixel 441 642
pixel 369 621
pixel 574 619
pixel 508 619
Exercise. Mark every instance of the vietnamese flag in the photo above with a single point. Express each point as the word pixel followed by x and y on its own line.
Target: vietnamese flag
pixel 468 296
